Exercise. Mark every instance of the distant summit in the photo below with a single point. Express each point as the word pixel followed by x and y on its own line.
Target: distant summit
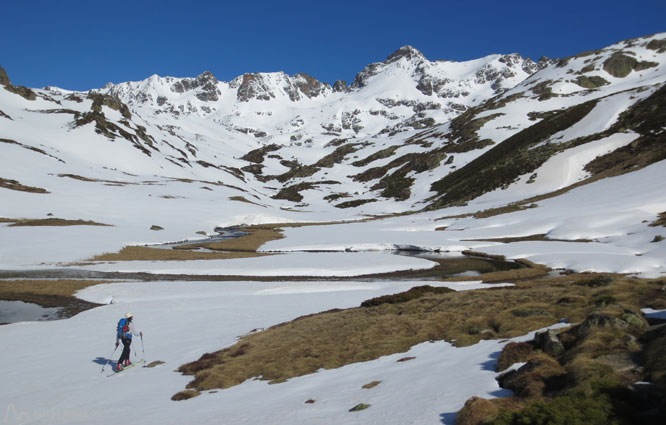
pixel 407 52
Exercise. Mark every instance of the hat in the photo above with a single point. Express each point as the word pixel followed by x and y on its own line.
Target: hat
pixel 128 315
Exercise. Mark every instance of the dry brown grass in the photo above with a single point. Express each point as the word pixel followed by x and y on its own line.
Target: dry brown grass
pixel 15 185
pixel 54 222
pixel 256 237
pixel 48 293
pixel 660 221
pixel 477 410
pixel 370 385
pixel 336 338
pixel 242 247
pixel 514 352
pixel 243 199
pixel 144 253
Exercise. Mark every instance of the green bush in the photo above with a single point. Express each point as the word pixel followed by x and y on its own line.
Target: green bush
pixel 527 312
pixel 596 282
pixel 574 409
pixel 604 300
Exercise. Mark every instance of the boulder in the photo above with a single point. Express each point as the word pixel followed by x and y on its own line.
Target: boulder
pixel 549 343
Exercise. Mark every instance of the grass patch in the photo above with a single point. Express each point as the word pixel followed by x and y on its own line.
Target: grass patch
pixel 185 395
pixel 242 247
pixel 16 185
pixel 145 253
pixel 359 407
pixel 28 147
pixel 514 352
pixel 660 221
pixel 48 293
pixel 338 337
pixel 575 409
pixel 403 297
pixel 370 385
pixel 590 380
pixel 354 204
pixel 513 207
pixel 243 199
pixel 54 222
pixel 598 281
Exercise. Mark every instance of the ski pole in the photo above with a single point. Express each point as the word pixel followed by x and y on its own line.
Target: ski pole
pixel 109 359
pixel 143 352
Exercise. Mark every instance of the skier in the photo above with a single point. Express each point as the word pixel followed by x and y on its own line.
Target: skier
pixel 125 331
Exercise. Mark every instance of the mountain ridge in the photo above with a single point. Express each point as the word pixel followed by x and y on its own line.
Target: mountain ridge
pixel 380 144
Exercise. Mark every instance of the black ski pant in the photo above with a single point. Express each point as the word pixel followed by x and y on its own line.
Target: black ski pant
pixel 126 350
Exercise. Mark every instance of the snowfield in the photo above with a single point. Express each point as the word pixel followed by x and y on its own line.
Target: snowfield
pixel 51 370
pixel 292 264
pixel 173 159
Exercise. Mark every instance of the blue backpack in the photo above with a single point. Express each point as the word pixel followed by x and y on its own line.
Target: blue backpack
pixel 123 329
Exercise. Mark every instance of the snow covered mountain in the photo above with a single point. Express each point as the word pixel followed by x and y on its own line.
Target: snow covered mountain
pixel 407 134
pixel 560 162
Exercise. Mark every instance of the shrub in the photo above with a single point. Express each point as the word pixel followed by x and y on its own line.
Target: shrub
pixel 604 300
pixel 596 282
pixel 574 409
pixel 528 312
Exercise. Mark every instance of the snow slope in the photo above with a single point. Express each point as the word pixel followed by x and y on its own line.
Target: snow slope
pixel 52 383
pixel 191 154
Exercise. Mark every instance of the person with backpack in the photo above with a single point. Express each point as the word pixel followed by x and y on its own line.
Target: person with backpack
pixel 124 334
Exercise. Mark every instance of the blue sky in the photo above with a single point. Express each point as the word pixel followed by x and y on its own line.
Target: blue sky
pixel 80 45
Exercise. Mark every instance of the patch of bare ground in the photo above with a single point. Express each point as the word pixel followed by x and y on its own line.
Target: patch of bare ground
pixel 339 337
pixel 48 293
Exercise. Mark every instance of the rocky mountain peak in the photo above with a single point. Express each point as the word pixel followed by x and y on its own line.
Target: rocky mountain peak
pixel 340 86
pixel 408 52
pixel 4 78
pixel 205 84
pixel 309 85
pixel 252 86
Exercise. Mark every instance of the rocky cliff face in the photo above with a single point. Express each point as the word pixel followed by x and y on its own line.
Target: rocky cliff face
pixel 4 78
pixel 204 86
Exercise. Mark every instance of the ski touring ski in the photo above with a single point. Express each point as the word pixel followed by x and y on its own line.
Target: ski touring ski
pixel 116 372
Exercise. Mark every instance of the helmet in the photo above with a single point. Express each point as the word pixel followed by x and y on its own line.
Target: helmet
pixel 128 315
